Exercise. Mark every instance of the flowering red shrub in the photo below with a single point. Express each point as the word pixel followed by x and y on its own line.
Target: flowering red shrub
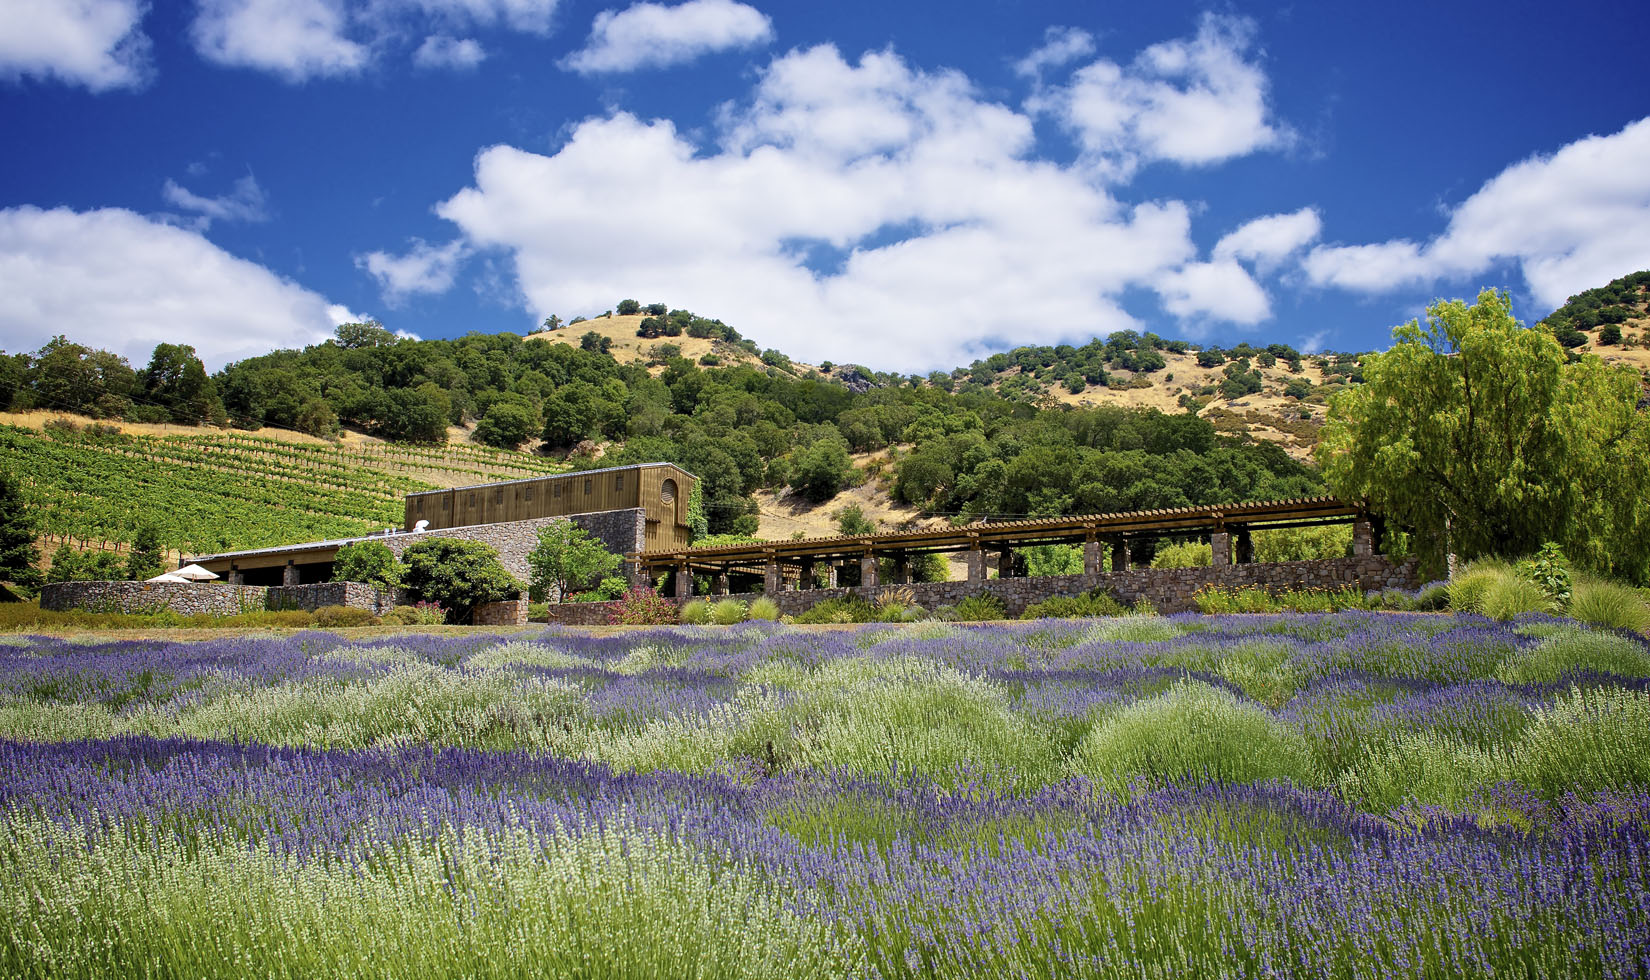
pixel 643 607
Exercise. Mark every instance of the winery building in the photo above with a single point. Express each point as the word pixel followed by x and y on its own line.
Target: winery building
pixel 630 509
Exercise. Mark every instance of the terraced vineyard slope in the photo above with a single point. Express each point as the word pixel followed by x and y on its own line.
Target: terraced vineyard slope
pixel 227 490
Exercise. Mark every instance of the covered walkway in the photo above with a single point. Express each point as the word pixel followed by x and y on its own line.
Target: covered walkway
pixel 797 564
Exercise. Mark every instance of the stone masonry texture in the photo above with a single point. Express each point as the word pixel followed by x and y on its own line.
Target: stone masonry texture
pixel 1167 589
pixel 619 531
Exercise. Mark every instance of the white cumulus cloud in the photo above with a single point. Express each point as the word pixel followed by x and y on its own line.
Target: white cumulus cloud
pixel 303 39
pixel 1572 220
pixel 296 39
pixel 859 211
pixel 1192 101
pixel 247 202
pixel 114 279
pixel 652 35
pixel 95 43
pixel 442 51
pixel 1218 290
pixel 1061 46
pixel 424 269
pixel 1267 241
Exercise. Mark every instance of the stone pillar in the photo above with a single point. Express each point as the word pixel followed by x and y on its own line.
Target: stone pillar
pixel 684 581
pixel 289 574
pixel 1120 555
pixel 1221 544
pixel 1005 562
pixel 1363 540
pixel 868 570
pixel 1091 558
pixel 902 569
pixel 719 582
pixel 236 576
pixel 773 581
pixel 1245 547
pixel 805 580
pixel 976 565
pixel 830 574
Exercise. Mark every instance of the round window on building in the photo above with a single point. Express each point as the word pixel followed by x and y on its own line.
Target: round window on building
pixel 667 491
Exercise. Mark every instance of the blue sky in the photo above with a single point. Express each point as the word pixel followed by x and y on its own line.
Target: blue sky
pixel 907 186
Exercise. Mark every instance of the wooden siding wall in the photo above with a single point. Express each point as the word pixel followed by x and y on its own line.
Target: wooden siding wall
pixel 555 496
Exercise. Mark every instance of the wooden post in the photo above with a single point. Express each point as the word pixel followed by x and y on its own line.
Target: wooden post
pixel 719 581
pixel 1245 547
pixel 902 568
pixel 1120 555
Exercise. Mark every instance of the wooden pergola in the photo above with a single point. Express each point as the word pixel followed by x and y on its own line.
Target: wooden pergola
pixel 1228 527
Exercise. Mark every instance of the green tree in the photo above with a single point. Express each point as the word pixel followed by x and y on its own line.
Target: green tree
pixel 1476 433
pixel 458 574
pixel 371 562
pixel 358 336
pixel 552 322
pixel 65 565
pixel 19 557
pixel 821 470
pixel 507 424
pixel 566 558
pixel 595 342
pixel 145 558
pixel 851 522
pixel 629 307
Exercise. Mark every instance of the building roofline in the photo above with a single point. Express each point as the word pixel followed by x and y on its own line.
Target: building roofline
pixel 550 476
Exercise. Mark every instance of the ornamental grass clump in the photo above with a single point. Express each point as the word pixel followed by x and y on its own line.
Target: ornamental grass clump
pixel 696 612
pixel 1468 586
pixel 726 612
pixel 1609 604
pixel 764 608
pixel 1510 596
pixel 1191 732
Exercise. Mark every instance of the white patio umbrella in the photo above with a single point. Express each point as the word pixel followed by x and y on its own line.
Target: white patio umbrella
pixel 169 577
pixel 194 573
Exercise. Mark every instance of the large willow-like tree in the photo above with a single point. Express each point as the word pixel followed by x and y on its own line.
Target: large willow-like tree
pixel 1485 439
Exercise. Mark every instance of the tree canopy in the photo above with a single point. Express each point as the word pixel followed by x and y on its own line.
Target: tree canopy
pixel 371 562
pixel 567 557
pixel 458 574
pixel 1485 438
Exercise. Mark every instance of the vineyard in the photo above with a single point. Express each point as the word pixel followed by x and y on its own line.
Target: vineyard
pixel 232 490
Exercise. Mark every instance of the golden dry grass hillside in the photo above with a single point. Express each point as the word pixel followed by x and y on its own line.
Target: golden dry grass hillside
pixel 627 348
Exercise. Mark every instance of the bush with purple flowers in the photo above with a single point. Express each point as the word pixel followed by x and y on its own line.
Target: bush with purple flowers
pixel 1352 794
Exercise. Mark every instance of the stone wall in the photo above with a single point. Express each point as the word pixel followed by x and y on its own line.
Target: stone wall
pixel 620 531
pixel 356 595
pixel 511 612
pixel 150 597
pixel 582 613
pixel 1168 589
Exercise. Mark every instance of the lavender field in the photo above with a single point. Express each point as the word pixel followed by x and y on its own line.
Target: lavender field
pixel 1350 795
